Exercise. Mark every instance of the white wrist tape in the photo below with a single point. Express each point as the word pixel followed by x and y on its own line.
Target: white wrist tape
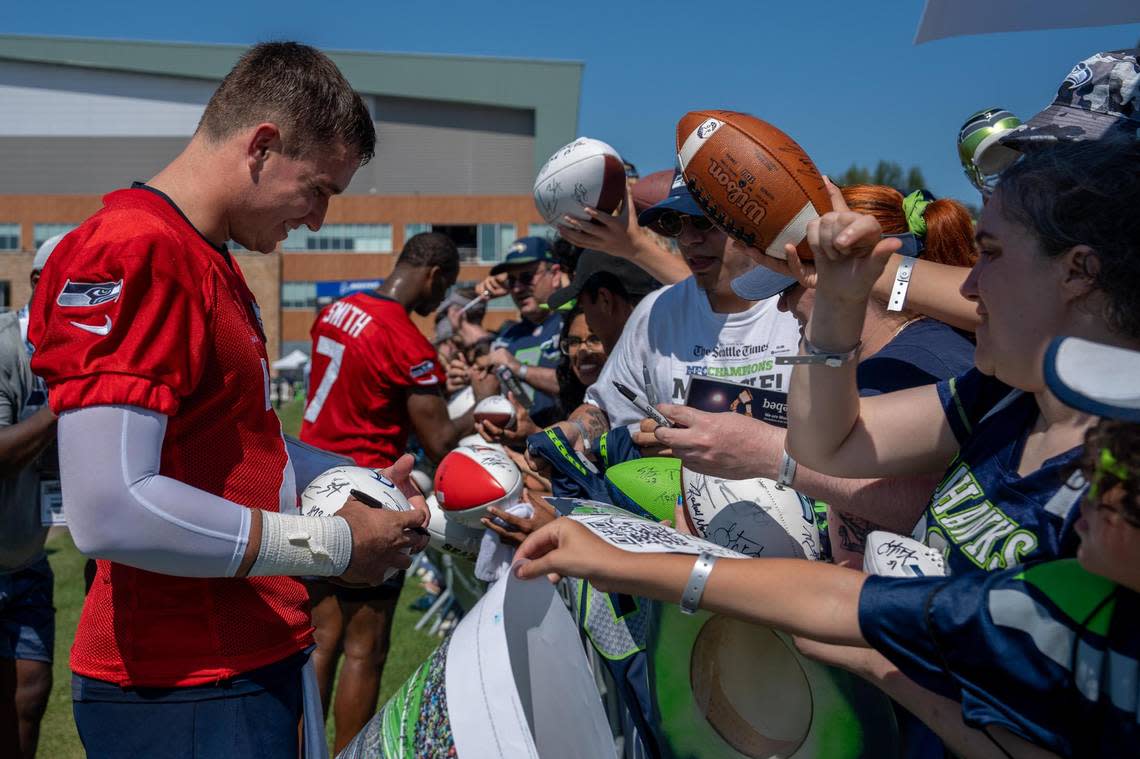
pixel 295 546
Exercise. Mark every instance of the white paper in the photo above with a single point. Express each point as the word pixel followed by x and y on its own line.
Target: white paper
pixel 637 535
pixel 520 635
pixel 955 18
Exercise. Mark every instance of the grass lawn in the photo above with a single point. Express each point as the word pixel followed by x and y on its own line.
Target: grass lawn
pixel 58 738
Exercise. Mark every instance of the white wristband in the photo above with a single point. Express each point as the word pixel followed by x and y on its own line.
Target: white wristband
pixel 295 546
pixel 523 369
pixel 902 282
pixel 695 587
pixel 787 471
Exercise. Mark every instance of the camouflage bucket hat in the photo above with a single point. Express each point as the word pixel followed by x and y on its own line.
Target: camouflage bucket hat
pixel 1100 95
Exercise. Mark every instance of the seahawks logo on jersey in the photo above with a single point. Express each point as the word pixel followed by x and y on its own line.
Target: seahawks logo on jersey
pixel 80 294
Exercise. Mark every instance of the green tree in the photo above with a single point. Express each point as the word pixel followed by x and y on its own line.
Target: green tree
pixel 886 173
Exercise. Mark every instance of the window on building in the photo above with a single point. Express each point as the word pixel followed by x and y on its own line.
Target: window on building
pixel 542 230
pixel 5 294
pixel 477 243
pixel 358 238
pixel 9 236
pixel 44 232
pixel 299 295
pixel 494 239
pixel 465 237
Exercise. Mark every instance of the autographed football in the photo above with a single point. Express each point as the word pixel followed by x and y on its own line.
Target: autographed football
pixel 893 555
pixel 750 178
pixel 325 495
pixel 756 517
pixel 586 172
pixel 473 478
pixel 497 410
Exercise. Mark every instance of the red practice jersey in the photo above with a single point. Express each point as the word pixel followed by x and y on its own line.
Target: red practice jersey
pixel 136 308
pixel 367 357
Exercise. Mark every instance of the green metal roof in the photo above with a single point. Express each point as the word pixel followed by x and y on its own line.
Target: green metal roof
pixel 550 88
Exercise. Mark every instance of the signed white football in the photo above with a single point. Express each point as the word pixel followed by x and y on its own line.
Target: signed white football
pixel 325 495
pixel 756 517
pixel 473 478
pixel 586 172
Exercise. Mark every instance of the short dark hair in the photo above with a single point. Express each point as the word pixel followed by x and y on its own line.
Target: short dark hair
pixel 609 281
pixel 566 255
pixel 430 249
pixel 298 88
pixel 1085 193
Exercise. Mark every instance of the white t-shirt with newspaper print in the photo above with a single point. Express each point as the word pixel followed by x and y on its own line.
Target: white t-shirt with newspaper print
pixel 675 333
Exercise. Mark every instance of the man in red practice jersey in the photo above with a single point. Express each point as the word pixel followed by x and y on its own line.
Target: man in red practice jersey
pixel 375 379
pixel 174 470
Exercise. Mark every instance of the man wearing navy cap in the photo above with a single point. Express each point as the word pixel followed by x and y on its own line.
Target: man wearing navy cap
pixel 529 348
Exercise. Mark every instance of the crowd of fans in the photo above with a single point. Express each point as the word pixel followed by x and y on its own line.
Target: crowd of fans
pixel 988 410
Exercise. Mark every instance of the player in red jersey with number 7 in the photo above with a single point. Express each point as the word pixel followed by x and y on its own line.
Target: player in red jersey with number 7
pixel 175 472
pixel 375 380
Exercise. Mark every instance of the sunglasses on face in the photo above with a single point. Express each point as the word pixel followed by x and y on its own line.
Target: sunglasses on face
pixel 572 345
pixel 523 278
pixel 672 223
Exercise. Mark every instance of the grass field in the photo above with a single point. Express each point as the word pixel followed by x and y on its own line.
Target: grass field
pixel 58 738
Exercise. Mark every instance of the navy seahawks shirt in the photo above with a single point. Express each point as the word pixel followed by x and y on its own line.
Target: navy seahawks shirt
pixel 922 353
pixel 535 345
pixel 984 515
pixel 1048 651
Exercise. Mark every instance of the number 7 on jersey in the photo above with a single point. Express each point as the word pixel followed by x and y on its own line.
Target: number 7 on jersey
pixel 335 351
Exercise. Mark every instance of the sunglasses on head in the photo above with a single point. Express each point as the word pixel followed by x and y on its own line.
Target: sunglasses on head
pixel 672 223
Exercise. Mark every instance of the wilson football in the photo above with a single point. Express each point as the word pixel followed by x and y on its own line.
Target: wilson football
pixel 751 179
pixel 586 172
pixel 497 410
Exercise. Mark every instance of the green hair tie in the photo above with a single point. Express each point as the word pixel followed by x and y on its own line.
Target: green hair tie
pixel 914 208
pixel 1107 464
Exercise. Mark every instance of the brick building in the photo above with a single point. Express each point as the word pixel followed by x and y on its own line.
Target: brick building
pixel 459 142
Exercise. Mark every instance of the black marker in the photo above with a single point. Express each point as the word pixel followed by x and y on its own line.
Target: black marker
pixel 643 407
pixel 368 500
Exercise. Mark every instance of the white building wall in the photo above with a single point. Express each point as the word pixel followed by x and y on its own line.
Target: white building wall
pixel 63 101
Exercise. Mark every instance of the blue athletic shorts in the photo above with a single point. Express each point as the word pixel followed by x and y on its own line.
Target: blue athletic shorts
pixel 27 617
pixel 254 715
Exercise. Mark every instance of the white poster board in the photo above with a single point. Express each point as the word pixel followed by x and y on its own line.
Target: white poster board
pixel 511 681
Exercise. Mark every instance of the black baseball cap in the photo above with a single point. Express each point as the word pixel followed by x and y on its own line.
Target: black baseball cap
pixel 633 278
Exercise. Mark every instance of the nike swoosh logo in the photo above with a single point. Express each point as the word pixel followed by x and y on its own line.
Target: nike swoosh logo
pixel 95 329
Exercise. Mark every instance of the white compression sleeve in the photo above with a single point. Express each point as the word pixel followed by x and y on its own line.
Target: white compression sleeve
pixel 120 508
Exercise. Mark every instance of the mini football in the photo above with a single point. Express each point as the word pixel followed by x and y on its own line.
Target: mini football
pixel 325 495
pixel 891 555
pixel 584 173
pixel 473 478
pixel 750 178
pixel 756 517
pixel 497 410
pixel 450 536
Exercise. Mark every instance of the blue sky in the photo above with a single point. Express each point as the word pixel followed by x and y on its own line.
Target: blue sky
pixel 842 78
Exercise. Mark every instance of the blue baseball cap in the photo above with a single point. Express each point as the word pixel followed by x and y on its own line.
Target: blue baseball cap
pixel 525 250
pixel 678 200
pixel 1094 378
pixel 761 283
